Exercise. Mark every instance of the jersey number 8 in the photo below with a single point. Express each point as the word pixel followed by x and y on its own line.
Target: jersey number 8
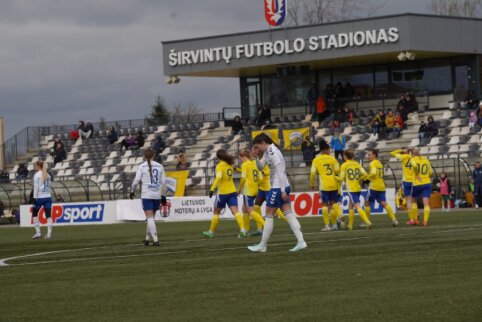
pixel 354 174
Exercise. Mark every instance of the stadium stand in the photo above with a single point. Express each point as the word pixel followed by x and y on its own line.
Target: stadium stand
pixel 102 165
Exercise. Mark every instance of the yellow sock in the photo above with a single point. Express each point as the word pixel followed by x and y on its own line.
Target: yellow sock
pixel 368 211
pixel 426 214
pixel 326 217
pixel 280 214
pixel 363 216
pixel 351 218
pixel 239 220
pixel 409 212
pixel 247 221
pixel 414 211
pixel 334 216
pixel 390 212
pixel 257 209
pixel 214 223
pixel 258 218
pixel 338 210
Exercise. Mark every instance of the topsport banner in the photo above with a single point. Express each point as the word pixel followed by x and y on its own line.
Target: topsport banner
pixel 272 133
pixel 304 204
pixel 294 138
pixel 176 182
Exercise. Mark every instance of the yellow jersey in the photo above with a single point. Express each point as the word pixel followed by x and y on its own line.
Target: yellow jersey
pixel 264 183
pixel 327 168
pixel 224 179
pixel 407 168
pixel 250 177
pixel 352 172
pixel 422 171
pixel 377 176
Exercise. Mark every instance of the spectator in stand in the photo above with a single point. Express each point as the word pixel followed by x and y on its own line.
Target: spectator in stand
pixel 182 163
pixel 390 122
pixel 57 140
pixel 308 150
pixel 445 190
pixel 59 198
pixel 338 144
pixel 471 102
pixel 378 124
pixel 128 142
pixel 398 124
pixel 350 115
pixel 339 116
pixel 349 90
pixel 139 140
pixel 479 115
pixel 422 130
pixel 85 130
pixel 339 90
pixel 59 153
pixel 432 128
pixel 112 135
pixel 321 109
pixel 473 120
pixel 264 115
pixel 159 145
pixel 22 172
pixel 2 209
pixel 4 176
pixel 477 176
pixel 237 128
pixel 402 102
pixel 412 104
pixel 334 126
pixel 311 98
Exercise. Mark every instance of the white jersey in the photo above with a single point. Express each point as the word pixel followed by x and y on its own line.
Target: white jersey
pixel 276 163
pixel 152 186
pixel 41 189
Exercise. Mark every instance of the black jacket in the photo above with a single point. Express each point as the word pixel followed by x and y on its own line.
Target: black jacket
pixel 477 175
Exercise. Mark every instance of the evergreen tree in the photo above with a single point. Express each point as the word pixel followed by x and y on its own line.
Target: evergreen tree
pixel 159 114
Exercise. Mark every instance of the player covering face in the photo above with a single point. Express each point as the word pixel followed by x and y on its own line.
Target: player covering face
pixel 405 157
pixel 422 184
pixel 278 196
pixel 377 189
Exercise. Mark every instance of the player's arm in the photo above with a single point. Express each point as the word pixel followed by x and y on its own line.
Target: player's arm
pixel 242 182
pixel 163 183
pixel 136 181
pixel 36 187
pixel 217 179
pixel 430 170
pixel 415 167
pixel 312 176
pixel 364 175
pixel 397 154
pixel 336 168
pixel 342 175
pixel 373 173
pixel 261 163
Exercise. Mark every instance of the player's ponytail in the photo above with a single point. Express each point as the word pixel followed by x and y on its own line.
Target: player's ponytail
pixel 43 167
pixel 224 156
pixel 149 155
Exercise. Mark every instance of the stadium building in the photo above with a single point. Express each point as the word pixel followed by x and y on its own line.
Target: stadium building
pixel 379 57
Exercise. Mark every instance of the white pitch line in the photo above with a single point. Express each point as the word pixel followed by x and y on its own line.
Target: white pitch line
pixel 3 262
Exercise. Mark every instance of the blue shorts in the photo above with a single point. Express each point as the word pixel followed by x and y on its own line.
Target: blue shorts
pixel 263 195
pixel 222 200
pixel 340 197
pixel 274 199
pixel 329 196
pixel 376 195
pixel 424 190
pixel 249 201
pixel 407 188
pixel 43 202
pixel 354 197
pixel 151 204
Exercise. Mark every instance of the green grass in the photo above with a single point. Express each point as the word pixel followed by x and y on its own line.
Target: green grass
pixel 385 274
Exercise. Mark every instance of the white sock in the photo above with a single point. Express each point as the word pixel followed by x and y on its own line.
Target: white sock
pixel 147 232
pixel 36 224
pixel 267 230
pixel 49 226
pixel 295 225
pixel 151 226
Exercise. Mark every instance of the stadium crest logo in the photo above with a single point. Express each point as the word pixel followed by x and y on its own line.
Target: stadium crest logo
pixel 275 12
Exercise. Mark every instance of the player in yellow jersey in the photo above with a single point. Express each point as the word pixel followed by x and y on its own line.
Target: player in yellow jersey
pixel 327 168
pixel 248 186
pixel 405 156
pixel 377 189
pixel 226 193
pixel 352 173
pixel 422 185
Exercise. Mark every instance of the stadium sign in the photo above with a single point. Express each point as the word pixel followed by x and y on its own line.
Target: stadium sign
pixel 227 54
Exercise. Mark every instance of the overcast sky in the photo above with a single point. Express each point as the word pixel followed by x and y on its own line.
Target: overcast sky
pixel 62 61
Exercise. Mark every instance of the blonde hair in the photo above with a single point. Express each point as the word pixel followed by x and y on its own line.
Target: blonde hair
pixel 43 165
pixel 245 153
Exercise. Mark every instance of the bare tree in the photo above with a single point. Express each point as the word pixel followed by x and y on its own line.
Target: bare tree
pixel 188 110
pixel 324 11
pixel 459 8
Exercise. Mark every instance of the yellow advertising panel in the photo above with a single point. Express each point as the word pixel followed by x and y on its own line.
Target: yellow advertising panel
pixel 294 138
pixel 176 183
pixel 272 133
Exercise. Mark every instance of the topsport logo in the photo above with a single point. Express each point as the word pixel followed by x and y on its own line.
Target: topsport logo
pixel 75 213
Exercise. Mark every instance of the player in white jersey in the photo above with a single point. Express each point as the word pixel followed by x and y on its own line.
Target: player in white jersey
pixel 42 198
pixel 153 192
pixel 279 195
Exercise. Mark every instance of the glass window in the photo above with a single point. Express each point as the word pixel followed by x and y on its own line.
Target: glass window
pixel 286 90
pixel 324 83
pixel 382 84
pixel 353 82
pixel 433 76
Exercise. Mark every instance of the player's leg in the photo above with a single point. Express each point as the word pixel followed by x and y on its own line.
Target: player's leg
pixel 382 199
pixel 407 192
pixel 246 218
pixel 48 215
pixel 351 215
pixel 36 222
pixel 325 210
pixel 369 199
pixel 363 215
pixel 254 214
pixel 427 191
pixel 150 207
pixel 238 217
pixel 267 231
pixel 219 204
pixel 294 224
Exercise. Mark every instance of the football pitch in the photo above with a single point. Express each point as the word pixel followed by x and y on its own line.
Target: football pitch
pixel 104 273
